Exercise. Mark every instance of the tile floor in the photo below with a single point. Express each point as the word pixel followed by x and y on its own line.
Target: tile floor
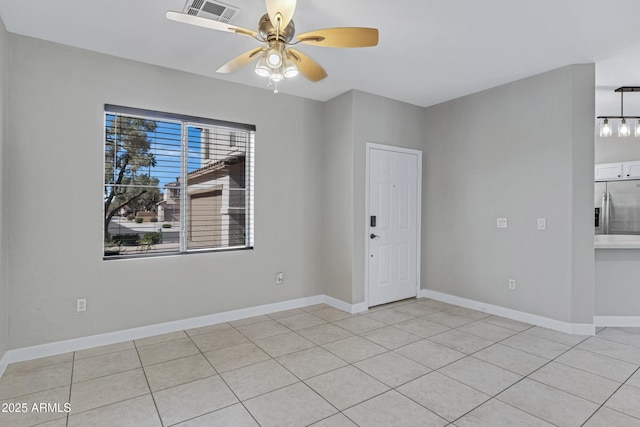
pixel 414 363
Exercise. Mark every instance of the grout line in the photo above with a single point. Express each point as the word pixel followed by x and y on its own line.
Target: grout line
pixel 572 394
pixel 219 374
pixel 5 399
pixel 5 374
pixel 612 409
pixel 106 352
pixel 118 401
pixel 111 403
pixel 108 375
pixel 610 396
pixel 240 401
pixel 179 337
pixel 144 372
pixel 617 342
pixel 73 364
pixel 184 383
pixel 602 405
pixel 517 382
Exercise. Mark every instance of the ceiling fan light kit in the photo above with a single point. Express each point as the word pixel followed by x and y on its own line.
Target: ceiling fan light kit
pixel 626 124
pixel 276 59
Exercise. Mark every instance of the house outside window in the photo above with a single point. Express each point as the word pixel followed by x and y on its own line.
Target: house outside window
pixel 175 184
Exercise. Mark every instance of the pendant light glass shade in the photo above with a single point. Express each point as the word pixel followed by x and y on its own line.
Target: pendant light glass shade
pixel 274 57
pixel 605 129
pixel 276 75
pixel 290 69
pixel 623 129
pixel 262 69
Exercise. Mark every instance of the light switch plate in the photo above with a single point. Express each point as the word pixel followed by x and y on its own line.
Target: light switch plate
pixel 502 223
pixel 542 223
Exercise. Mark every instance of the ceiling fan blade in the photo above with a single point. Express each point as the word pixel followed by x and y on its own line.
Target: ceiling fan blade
pixel 341 37
pixel 307 66
pixel 280 8
pixel 240 61
pixel 209 23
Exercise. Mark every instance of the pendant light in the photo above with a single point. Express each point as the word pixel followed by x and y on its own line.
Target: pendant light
pixel 623 128
pixel 626 123
pixel 605 128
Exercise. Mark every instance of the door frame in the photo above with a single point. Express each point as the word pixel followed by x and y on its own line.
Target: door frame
pixel 395 149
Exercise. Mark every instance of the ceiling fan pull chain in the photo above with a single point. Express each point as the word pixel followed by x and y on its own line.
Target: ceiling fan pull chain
pixel 273 83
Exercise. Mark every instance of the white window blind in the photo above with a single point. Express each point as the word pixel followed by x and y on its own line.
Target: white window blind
pixel 175 184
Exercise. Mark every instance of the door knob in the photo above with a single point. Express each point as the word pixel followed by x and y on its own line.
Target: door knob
pixel 373 236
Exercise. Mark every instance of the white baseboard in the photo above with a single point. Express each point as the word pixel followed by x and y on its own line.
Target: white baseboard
pixel 617 321
pixel 349 308
pixel 51 349
pixel 545 322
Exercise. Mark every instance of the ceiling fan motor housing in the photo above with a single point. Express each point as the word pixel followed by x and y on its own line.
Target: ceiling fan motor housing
pixel 268 31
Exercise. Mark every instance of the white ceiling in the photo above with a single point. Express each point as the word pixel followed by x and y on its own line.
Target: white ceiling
pixel 430 51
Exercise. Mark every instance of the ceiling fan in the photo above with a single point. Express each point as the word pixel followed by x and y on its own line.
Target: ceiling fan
pixel 277 59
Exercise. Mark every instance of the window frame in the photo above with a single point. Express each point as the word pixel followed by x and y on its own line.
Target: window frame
pixel 186 122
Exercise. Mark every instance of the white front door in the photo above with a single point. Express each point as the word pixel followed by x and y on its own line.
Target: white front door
pixel 393 223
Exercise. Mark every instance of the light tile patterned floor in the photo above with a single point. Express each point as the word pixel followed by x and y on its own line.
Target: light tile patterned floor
pixel 411 363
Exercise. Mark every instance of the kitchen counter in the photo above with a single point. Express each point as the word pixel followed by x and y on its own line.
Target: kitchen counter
pixel 617 241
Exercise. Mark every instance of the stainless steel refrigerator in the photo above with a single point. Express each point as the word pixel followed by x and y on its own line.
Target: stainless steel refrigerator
pixel 617 207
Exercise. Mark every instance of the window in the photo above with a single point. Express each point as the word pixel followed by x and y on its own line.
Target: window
pixel 175 184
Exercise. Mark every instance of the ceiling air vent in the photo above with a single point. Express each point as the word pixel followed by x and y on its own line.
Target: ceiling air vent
pixel 211 10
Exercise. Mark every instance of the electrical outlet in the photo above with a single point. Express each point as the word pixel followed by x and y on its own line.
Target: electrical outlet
pixel 279 278
pixel 81 304
pixel 502 223
pixel 512 284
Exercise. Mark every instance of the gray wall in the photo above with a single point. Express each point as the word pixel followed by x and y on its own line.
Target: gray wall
pixel 616 282
pixel 54 154
pixel 4 80
pixel 352 120
pixel 613 149
pixel 522 151
pixel 337 224
pixel 582 105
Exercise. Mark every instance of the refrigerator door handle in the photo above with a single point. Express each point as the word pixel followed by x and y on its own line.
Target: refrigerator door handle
pixel 603 213
pixel 607 211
